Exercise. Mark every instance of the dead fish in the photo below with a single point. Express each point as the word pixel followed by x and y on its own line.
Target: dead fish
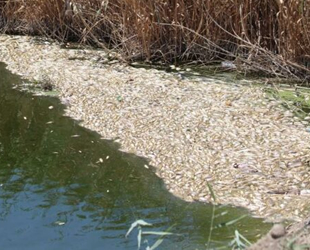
pixel 245 168
pixel 292 191
pixel 294 164
pixel 305 192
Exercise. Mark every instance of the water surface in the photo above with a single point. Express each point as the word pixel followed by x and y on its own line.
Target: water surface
pixel 61 187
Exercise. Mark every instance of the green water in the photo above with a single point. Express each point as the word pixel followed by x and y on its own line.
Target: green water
pixel 58 190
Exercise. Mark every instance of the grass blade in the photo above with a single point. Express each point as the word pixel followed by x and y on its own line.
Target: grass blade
pixel 229 223
pixel 157 244
pixel 139 237
pixel 135 224
pixel 156 233
pixel 211 191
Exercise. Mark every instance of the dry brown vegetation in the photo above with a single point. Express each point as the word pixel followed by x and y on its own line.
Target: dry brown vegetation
pixel 270 36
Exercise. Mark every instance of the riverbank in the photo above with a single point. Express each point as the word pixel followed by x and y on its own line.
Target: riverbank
pixel 295 236
pixel 254 153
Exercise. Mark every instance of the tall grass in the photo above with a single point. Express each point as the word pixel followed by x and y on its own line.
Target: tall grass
pixel 272 36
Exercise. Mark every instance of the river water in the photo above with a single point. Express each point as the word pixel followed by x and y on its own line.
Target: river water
pixel 62 187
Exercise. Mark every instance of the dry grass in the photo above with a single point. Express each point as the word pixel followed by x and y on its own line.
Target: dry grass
pixel 270 36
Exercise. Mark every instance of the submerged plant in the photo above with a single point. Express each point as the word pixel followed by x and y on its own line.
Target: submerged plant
pixel 139 224
pixel 239 241
pixel 213 214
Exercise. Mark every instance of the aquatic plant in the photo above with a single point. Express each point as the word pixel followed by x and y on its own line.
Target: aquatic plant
pixel 239 241
pixel 295 99
pixel 138 224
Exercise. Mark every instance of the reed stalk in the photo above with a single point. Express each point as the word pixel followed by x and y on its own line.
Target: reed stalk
pixel 269 36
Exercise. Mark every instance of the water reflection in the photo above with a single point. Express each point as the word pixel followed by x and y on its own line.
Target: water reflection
pixel 62 187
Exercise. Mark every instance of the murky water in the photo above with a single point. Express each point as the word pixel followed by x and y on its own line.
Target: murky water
pixel 61 187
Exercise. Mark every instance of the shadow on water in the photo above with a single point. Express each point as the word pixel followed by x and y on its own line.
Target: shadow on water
pixel 60 191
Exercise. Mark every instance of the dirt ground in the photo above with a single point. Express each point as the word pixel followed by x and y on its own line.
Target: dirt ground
pixel 295 237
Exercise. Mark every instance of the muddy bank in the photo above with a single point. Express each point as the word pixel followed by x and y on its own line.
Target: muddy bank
pixel 295 236
pixel 253 152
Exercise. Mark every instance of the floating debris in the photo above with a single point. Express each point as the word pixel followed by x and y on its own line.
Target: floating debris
pixel 60 223
pixel 228 65
pixel 100 160
pixel 75 136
